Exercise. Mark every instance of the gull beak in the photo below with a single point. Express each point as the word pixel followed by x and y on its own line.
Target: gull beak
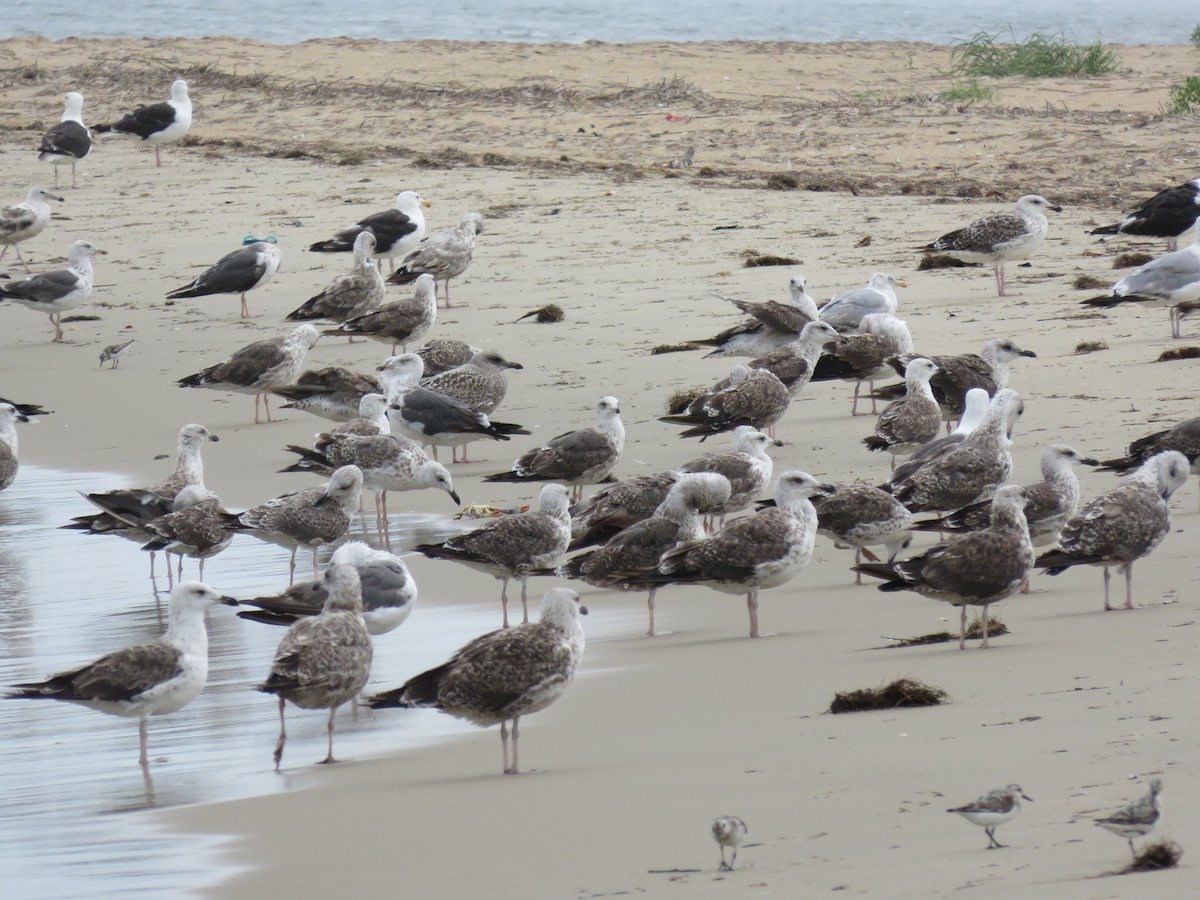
pixel 1088 461
pixel 454 497
pixel 229 601
pixel 56 197
pixel 582 610
pixel 213 438
pixel 827 489
pixel 1029 353
pixel 21 417
pixel 513 365
pixel 1056 209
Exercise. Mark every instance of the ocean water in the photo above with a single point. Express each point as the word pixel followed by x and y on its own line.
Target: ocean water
pixel 619 21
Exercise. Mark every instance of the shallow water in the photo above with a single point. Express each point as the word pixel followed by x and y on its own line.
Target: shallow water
pixel 74 805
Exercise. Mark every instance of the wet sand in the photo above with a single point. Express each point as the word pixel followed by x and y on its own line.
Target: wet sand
pixel 657 736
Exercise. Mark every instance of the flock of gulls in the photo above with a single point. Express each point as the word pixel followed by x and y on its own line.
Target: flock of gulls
pixel 724 520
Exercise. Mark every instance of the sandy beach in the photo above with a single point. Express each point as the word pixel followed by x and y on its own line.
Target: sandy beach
pixel 564 149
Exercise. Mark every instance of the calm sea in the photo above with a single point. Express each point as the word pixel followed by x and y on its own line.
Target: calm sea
pixel 619 21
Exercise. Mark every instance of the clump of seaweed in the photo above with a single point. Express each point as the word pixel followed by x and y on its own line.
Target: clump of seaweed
pixel 551 312
pixel 1088 283
pixel 1131 259
pixel 936 261
pixel 753 262
pixel 1171 354
pixel 974 632
pixel 681 399
pixel 1160 854
pixel 1090 347
pixel 903 692
pixel 781 181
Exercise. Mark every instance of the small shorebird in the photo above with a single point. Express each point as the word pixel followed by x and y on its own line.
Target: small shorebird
pixel 1137 819
pixel 992 810
pixel 729 831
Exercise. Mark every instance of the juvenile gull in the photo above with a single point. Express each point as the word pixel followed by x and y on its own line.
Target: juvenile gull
pixel 23 221
pixel 371 421
pixel 323 660
pixel 975 569
pixel 752 553
pixel 770 324
pixel 912 421
pixel 479 383
pixel 9 416
pixel 975 409
pixel 616 507
pixel 59 290
pixel 729 831
pixel 387 462
pixel 1123 524
pixel 1184 437
pixel 243 270
pixel 1049 503
pixel 793 363
pixel 846 311
pixel 389 592
pixel 862 356
pixel 641 546
pixel 197 527
pixel 258 368
pixel 1169 280
pixel 428 417
pixel 748 470
pixel 397 231
pixel 333 392
pixel 112 353
pixel 969 471
pixel 992 810
pixel 1137 819
pixel 157 124
pixel 862 516
pixel 1168 214
pixel 512 546
pixel 503 675
pixel 442 354
pixel 351 294
pixel 146 679
pixel 999 237
pixel 444 255
pixel 754 397
pixel 398 322
pixel 70 140
pixel 578 458
pixel 988 369
pixel 311 517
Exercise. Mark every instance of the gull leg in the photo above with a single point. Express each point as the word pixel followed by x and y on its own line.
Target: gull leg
pixel 202 568
pixel 292 567
pixel 1131 850
pixel 267 406
pixel 329 757
pixel 857 562
pixel 504 745
pixel 316 574
pixel 752 606
pixel 157 156
pixel 985 625
pixel 257 418
pixel 524 614
pixel 504 602
pixel 854 404
pixel 282 737
pixel 144 756
pixel 516 734
pixel 55 168
pixel 1129 586
pixel 650 606
pixel 56 321
pixel 1107 607
pixel 962 628
pixel 28 271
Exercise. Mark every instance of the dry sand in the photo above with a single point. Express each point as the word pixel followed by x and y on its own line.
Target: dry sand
pixel 657 736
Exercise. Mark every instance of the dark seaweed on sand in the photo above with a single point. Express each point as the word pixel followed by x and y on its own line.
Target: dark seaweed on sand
pixel 974 633
pixel 903 692
pixel 1172 353
pixel 1160 854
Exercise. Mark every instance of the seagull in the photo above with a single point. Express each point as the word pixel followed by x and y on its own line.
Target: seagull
pixel 70 140
pixel 479 382
pixel 846 311
pixel 398 322
pixel 975 407
pixel 147 679
pixel 975 569
pixel 197 527
pixel 389 592
pixel 243 270
pixel 729 831
pixel 793 363
pixel 333 392
pixel 113 352
pixel 258 368
pixel 513 546
pixel 59 290
pixel 861 516
pixel 503 675
pixel 9 416
pixel 161 123
pixel 862 355
pixel 578 458
pixel 428 417
pixel 1169 280
pixel 1137 819
pixel 748 470
pixel 311 517
pixel 970 471
pixel 323 660
pixel 444 255
pixel 999 237
pixel 1184 437
pixel 1168 214
pixel 641 546
pixel 770 324
pixel 442 354
pixel 993 809
pixel 1123 524
pixel 354 293
pixel 912 421
pixel 397 231
pixel 753 397
pixel 752 553
pixel 23 221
